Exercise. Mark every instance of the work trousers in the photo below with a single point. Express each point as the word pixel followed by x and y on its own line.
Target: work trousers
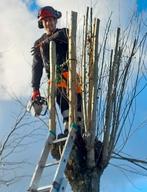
pixel 63 102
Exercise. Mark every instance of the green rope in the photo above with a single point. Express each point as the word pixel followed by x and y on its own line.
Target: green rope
pixel 52 133
pixel 58 74
pixel 74 126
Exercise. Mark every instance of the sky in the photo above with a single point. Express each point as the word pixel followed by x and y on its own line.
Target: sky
pixel 141 5
pixel 18 32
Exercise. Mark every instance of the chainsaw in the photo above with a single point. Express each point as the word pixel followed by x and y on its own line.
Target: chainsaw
pixel 37 107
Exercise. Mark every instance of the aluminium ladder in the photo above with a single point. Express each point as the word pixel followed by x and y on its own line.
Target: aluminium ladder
pixel 59 182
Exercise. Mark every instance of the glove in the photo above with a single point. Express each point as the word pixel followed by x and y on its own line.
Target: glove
pixel 35 94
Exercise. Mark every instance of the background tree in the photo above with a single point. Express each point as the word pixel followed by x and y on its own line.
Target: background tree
pixel 110 79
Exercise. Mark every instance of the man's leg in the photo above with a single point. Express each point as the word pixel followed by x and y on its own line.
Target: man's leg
pixel 63 103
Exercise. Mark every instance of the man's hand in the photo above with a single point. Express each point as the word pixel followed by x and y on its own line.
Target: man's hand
pixel 35 94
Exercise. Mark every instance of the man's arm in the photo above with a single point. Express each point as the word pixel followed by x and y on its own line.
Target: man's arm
pixel 37 69
pixel 60 36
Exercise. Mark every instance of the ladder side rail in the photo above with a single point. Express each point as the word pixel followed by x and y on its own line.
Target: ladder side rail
pixel 52 124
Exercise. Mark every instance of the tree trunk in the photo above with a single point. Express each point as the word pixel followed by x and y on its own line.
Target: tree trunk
pixel 89 181
pixel 81 177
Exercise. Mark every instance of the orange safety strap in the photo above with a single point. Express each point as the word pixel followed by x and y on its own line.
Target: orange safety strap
pixel 63 83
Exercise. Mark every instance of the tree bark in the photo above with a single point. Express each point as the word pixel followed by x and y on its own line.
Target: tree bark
pixel 89 181
pixel 81 177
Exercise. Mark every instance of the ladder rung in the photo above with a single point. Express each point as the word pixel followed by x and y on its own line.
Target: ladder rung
pixel 44 189
pixel 60 140
pixel 52 164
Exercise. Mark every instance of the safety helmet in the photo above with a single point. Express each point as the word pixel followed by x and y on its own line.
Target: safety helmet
pixel 47 12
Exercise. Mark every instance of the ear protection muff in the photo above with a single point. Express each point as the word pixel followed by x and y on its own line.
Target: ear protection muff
pixel 40 25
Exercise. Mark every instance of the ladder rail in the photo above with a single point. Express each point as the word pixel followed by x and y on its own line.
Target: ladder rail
pixel 40 166
pixel 57 181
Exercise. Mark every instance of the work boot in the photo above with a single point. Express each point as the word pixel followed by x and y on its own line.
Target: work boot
pixel 66 132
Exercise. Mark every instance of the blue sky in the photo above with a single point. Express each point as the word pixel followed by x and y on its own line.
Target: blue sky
pixel 141 5
pixel 32 5
pixel 32 151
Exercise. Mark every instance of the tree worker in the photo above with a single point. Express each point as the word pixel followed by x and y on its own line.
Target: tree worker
pixel 47 19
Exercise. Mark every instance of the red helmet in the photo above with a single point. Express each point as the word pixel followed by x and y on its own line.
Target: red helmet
pixel 47 12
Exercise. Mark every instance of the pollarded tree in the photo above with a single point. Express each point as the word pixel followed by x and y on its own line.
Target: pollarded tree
pixel 109 77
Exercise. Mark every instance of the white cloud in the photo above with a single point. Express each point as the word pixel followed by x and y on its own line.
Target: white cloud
pixel 122 10
pixel 18 32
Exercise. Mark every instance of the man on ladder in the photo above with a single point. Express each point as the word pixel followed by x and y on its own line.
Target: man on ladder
pixel 47 19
